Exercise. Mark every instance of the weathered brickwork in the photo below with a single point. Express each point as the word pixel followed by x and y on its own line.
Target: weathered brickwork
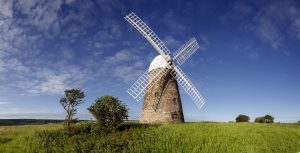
pixel 162 103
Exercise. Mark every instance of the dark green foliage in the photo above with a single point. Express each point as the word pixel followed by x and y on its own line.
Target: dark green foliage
pixel 269 119
pixel 27 121
pixel 259 120
pixel 4 140
pixel 242 118
pixel 73 97
pixel 265 119
pixel 83 127
pixel 110 112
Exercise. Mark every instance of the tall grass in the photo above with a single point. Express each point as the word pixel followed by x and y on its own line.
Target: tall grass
pixel 189 137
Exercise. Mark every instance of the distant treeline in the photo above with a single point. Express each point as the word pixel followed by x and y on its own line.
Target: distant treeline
pixel 27 121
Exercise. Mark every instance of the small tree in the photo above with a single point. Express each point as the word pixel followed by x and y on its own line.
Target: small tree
pixel 259 120
pixel 73 97
pixel 265 119
pixel 109 111
pixel 242 118
pixel 269 119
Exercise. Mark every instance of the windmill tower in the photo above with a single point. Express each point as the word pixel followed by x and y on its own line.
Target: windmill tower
pixel 159 84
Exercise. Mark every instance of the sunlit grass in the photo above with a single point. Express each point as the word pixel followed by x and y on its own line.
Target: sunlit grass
pixel 189 137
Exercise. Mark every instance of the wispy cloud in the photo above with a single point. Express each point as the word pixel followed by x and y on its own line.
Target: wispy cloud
pixel 273 23
pixel 37 38
pixel 5 9
pixel 4 103
pixel 126 64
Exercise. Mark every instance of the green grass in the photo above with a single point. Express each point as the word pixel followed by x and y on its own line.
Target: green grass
pixel 189 137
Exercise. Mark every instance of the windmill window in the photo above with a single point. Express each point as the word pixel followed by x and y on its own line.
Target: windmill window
pixel 174 116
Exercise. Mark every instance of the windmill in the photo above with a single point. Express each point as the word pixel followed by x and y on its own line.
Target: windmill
pixel 159 84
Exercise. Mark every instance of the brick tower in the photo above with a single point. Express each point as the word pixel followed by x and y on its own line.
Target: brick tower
pixel 162 103
pixel 158 85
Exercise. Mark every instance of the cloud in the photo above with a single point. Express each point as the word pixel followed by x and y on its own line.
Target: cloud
pixel 126 64
pixel 172 43
pixel 4 103
pixel 274 23
pixel 253 55
pixel 6 9
pixel 56 81
pixel 173 22
pixel 41 14
pixel 296 27
pixel 37 39
pixel 268 32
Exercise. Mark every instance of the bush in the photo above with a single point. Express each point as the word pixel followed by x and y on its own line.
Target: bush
pixel 84 127
pixel 260 120
pixel 269 119
pixel 242 118
pixel 110 112
pixel 265 119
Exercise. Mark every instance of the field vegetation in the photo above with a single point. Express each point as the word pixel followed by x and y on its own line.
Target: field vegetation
pixel 133 137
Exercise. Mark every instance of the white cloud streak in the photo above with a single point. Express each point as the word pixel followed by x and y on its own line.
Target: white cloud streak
pixel 4 103
pixel 273 22
pixel 27 68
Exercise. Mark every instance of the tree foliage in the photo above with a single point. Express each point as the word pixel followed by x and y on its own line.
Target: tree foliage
pixel 269 119
pixel 109 111
pixel 73 97
pixel 242 118
pixel 265 119
pixel 259 120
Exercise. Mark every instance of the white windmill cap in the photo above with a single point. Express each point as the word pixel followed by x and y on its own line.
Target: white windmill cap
pixel 158 62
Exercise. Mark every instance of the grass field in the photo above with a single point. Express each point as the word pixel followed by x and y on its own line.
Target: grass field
pixel 189 137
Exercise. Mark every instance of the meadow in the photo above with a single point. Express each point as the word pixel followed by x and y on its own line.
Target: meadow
pixel 133 137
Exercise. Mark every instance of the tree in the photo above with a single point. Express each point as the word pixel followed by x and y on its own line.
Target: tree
pixel 265 119
pixel 259 120
pixel 242 118
pixel 73 97
pixel 109 111
pixel 269 119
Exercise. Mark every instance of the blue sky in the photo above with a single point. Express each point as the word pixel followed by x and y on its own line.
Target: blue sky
pixel 248 61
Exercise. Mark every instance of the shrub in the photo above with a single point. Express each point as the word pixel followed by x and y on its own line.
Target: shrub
pixel 110 112
pixel 269 119
pixel 242 118
pixel 83 127
pixel 260 120
pixel 265 119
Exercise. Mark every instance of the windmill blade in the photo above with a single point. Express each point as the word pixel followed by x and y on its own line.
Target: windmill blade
pixel 185 51
pixel 187 85
pixel 141 26
pixel 138 89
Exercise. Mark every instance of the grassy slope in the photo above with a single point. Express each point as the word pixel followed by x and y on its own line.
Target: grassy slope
pixel 191 137
pixel 19 138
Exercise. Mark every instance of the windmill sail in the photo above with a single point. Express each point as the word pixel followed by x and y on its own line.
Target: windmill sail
pixel 188 86
pixel 137 90
pixel 185 51
pixel 142 27
pixel 159 84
